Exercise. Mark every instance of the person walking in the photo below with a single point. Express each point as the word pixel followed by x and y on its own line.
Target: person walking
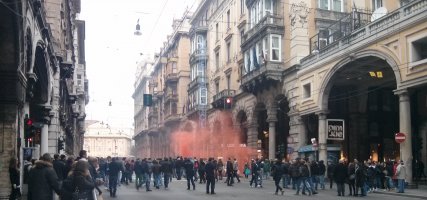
pixel 115 167
pixel 156 169
pixel 43 180
pixel 236 170
pixel 230 172
pixel 138 174
pixel 220 167
pixel 360 179
pixel 79 183
pixel 352 178
pixel 210 176
pixel 401 177
pixel 330 170
pixel 14 179
pixel 59 167
pixel 254 170
pixel 146 169
pixel 189 171
pixel 340 175
pixel 322 171
pixel 277 172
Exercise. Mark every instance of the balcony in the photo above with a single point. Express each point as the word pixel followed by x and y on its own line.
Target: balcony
pixel 153 113
pixel 171 97
pixel 201 27
pixel 197 81
pixel 172 117
pixel 268 24
pixel 194 109
pixel 266 75
pixel 362 32
pixel 171 77
pixel 152 83
pixel 198 55
pixel 218 99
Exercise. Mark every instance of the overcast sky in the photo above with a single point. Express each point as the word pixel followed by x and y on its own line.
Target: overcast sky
pixel 112 50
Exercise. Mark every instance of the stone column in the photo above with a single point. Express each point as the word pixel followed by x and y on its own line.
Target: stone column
pixel 302 132
pixel 322 144
pixel 405 127
pixel 272 119
pixel 253 138
pixel 44 137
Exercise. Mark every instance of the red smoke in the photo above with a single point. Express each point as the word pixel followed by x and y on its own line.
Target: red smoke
pixel 223 141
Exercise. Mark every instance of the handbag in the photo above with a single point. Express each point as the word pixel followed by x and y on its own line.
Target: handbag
pixel 81 195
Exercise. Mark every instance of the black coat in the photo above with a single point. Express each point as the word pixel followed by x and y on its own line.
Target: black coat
pixel 340 173
pixel 189 168
pixel 278 171
pixel 42 180
pixel 77 180
pixel 210 170
pixel 59 167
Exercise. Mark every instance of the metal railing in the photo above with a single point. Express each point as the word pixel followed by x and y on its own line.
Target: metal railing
pixel 268 20
pixel 224 93
pixel 342 28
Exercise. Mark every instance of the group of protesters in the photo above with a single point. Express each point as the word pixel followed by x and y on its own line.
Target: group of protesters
pixel 69 176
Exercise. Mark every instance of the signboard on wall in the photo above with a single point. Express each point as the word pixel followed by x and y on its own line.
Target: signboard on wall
pixel 335 129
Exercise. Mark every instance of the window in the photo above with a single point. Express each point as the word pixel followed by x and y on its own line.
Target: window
pixel 228 19
pixel 203 96
pixel 217 31
pixel 228 52
pixel 307 91
pixel 174 68
pixel 334 5
pixel 275 48
pixel 242 34
pixel 228 81
pixel 217 60
pixel 200 44
pixel 419 50
pixel 247 63
pixel 242 7
pixel 216 87
pixel 201 69
pixel 376 4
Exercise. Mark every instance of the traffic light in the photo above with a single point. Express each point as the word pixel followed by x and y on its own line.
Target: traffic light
pixel 60 144
pixel 228 103
pixel 148 100
pixel 28 127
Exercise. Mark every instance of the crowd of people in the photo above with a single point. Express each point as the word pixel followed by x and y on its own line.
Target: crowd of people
pixel 85 176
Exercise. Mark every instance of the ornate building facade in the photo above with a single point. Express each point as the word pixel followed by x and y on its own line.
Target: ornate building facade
pixel 43 81
pixel 321 79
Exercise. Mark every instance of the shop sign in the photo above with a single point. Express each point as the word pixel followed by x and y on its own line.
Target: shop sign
pixel 335 129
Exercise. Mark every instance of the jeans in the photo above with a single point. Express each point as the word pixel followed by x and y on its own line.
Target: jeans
pixel 341 189
pixel 321 179
pixel 210 182
pixel 389 182
pixel 147 178
pixel 254 179
pixel 113 184
pixel 138 180
pixel 157 180
pixel 190 178
pixel 286 180
pixel 401 185
pixel 166 178
pixel 305 185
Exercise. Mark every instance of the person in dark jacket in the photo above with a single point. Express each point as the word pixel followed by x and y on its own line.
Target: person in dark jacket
pixel 43 179
pixel 189 171
pixel 352 179
pixel 229 168
pixel 114 168
pixel 322 171
pixel 59 167
pixel 79 180
pixel 254 172
pixel 278 170
pixel 331 169
pixel 93 165
pixel 14 179
pixel 210 176
pixel 340 175
pixel 361 172
pixel 156 169
pixel 167 171
pixel 146 170
pixel 138 173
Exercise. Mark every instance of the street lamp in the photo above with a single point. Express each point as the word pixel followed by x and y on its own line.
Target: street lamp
pixel 314 143
pixel 137 29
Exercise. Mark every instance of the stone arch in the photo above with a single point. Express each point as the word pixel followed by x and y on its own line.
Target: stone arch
pixel 41 71
pixel 327 85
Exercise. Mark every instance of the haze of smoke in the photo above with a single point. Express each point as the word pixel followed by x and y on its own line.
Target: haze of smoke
pixel 225 142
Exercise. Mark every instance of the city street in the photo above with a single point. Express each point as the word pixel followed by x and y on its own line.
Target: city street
pixel 242 191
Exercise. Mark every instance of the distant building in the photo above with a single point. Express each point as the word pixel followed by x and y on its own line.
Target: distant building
pixel 101 140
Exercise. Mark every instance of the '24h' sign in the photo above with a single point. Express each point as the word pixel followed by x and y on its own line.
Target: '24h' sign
pixel 335 129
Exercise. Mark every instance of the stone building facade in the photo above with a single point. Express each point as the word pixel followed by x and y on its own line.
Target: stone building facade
pixel 101 140
pixel 42 78
pixel 168 86
pixel 321 79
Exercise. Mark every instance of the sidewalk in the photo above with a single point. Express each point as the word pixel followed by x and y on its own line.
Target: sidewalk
pixel 420 193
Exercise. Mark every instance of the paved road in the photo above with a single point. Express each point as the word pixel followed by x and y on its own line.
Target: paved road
pixel 240 191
